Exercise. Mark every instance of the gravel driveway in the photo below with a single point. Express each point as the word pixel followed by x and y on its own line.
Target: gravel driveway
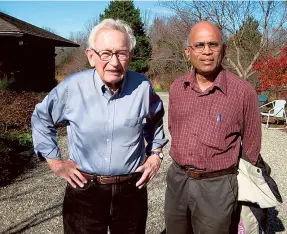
pixel 32 203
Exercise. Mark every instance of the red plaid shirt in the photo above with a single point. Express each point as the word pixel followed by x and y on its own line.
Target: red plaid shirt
pixel 208 127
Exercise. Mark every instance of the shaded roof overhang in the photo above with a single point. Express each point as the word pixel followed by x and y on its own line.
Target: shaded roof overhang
pixel 13 27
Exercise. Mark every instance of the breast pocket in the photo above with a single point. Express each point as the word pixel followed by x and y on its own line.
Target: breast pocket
pixel 214 135
pixel 131 131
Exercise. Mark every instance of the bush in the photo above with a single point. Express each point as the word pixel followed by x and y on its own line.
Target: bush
pixel 6 82
pixel 24 138
pixel 164 81
pixel 16 109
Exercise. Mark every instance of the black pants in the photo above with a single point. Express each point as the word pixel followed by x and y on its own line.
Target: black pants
pixel 199 206
pixel 121 207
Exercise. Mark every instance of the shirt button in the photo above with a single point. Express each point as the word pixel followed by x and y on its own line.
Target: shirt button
pixel 108 140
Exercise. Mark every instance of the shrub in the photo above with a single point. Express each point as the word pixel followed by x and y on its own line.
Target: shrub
pixel 273 73
pixel 16 109
pixel 24 138
pixel 6 82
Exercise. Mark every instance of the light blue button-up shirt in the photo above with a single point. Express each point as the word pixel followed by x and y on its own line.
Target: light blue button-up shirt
pixel 106 133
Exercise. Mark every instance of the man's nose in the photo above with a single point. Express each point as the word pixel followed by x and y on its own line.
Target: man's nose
pixel 114 60
pixel 206 49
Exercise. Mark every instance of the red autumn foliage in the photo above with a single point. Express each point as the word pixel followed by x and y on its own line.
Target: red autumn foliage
pixel 16 109
pixel 273 72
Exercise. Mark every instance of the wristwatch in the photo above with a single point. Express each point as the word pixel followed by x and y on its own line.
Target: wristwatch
pixel 159 154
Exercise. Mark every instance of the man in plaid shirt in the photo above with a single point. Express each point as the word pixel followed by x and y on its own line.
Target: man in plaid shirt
pixel 213 115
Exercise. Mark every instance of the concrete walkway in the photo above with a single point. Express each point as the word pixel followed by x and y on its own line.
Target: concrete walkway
pixel 32 203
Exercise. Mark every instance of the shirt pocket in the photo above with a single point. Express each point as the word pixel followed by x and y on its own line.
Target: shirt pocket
pixel 213 135
pixel 131 131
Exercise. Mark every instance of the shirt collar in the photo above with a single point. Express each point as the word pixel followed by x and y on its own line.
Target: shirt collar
pixel 99 84
pixel 219 82
pixel 102 87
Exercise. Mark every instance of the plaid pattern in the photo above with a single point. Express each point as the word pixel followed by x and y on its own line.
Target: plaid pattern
pixel 207 127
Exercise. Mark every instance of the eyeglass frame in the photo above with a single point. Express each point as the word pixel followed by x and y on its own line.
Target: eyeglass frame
pixel 205 44
pixel 112 54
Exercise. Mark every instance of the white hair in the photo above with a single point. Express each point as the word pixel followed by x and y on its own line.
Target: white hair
pixel 118 25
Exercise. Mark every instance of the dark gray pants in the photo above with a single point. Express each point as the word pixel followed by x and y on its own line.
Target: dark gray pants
pixel 199 206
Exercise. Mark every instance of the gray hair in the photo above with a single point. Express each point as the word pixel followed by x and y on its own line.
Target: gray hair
pixel 117 24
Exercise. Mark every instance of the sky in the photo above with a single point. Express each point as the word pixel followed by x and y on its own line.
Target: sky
pixel 64 17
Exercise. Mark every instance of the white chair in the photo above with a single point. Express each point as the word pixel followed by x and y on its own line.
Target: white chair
pixel 277 111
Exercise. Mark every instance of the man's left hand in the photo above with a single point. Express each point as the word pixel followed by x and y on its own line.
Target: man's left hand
pixel 148 169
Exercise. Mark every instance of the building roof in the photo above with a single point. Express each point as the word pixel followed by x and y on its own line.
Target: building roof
pixel 10 26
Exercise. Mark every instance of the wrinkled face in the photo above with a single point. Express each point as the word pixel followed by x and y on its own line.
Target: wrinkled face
pixel 206 50
pixel 109 41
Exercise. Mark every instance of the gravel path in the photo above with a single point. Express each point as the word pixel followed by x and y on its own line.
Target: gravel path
pixel 32 203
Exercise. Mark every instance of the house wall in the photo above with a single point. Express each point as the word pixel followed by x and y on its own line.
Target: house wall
pixel 32 60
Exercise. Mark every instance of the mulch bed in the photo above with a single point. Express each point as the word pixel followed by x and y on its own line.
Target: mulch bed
pixel 15 160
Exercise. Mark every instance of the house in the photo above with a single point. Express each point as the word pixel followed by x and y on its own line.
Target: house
pixel 27 53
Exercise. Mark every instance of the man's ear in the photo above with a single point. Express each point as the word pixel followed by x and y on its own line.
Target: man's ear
pixel 89 54
pixel 187 53
pixel 131 54
pixel 224 50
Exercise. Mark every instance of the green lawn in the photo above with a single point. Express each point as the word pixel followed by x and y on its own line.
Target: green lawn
pixel 160 90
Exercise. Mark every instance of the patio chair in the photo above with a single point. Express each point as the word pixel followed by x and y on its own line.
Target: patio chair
pixel 262 99
pixel 277 111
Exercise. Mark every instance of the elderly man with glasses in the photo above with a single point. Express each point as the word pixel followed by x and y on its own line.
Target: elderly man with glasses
pixel 213 115
pixel 110 112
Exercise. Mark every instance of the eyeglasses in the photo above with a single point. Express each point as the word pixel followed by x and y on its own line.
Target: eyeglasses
pixel 200 46
pixel 106 55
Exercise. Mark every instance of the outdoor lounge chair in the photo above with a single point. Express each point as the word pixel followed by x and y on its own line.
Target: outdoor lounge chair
pixel 277 111
pixel 262 99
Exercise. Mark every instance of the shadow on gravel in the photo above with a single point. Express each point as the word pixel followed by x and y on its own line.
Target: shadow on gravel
pixel 275 224
pixel 35 220
pixel 14 160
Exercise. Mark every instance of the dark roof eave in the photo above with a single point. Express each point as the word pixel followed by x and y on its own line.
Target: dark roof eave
pixel 13 34
pixel 59 43
pixel 13 26
pixel 56 43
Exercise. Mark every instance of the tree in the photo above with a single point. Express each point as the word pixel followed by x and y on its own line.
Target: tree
pixel 272 72
pixel 125 10
pixel 235 19
pixel 71 60
pixel 241 40
pixel 168 61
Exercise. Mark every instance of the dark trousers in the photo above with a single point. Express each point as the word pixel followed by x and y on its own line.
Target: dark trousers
pixel 199 206
pixel 121 207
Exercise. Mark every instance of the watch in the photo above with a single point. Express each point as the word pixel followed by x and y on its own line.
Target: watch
pixel 159 154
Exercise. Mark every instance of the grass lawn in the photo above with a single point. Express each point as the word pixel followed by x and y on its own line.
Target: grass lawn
pixel 160 90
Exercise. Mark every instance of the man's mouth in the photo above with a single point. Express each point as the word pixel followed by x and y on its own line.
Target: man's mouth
pixel 207 61
pixel 114 71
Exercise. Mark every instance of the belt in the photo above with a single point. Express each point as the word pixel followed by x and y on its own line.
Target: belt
pixel 201 174
pixel 103 179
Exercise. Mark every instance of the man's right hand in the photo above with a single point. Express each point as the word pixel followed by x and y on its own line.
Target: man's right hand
pixel 68 170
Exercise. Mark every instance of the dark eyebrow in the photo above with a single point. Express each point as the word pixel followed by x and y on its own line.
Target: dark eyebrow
pixel 199 42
